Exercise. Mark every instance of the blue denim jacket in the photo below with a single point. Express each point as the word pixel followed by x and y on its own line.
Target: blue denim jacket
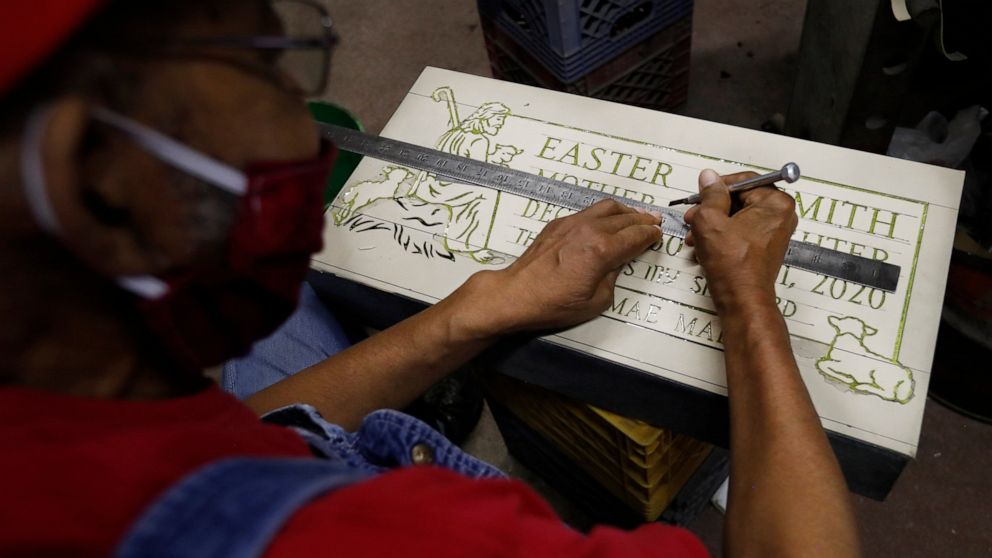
pixel 235 507
pixel 385 440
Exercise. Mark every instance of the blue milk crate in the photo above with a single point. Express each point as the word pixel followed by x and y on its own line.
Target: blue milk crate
pixel 572 37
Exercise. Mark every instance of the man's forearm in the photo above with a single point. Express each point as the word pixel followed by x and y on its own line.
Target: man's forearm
pixel 787 494
pixel 557 282
pixel 388 370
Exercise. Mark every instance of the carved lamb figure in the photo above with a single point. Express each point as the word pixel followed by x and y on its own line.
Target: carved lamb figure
pixel 503 154
pixel 849 361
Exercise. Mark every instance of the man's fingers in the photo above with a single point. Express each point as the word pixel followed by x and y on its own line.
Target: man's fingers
pixel 603 208
pixel 763 195
pixel 611 277
pixel 730 179
pixel 607 209
pixel 628 243
pixel 713 191
pixel 616 223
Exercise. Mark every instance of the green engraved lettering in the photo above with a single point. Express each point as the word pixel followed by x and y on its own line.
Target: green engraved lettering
pixel 595 153
pixel 662 170
pixel 875 221
pixel 548 146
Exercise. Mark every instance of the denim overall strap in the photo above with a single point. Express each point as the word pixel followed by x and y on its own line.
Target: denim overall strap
pixel 386 440
pixel 231 508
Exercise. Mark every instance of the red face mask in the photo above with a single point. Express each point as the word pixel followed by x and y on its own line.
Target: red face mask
pixel 204 318
pixel 207 319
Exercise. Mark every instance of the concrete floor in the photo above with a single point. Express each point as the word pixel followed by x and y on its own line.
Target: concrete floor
pixel 743 63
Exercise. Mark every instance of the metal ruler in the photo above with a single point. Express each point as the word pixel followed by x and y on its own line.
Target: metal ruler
pixel 801 255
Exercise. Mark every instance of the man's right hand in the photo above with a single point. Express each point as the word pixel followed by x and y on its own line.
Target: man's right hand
pixel 787 493
pixel 740 253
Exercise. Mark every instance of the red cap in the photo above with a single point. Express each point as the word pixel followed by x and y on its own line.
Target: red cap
pixel 32 30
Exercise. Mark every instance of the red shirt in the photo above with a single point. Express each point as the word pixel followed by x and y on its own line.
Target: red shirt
pixel 75 472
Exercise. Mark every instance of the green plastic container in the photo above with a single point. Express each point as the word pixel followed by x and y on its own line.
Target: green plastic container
pixel 346 161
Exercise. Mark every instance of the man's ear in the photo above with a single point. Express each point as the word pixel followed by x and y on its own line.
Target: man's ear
pixel 93 192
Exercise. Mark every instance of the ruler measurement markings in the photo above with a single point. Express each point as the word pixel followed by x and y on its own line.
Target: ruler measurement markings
pixel 801 255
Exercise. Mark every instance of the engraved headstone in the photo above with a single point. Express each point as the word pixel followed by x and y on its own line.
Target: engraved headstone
pixel 864 354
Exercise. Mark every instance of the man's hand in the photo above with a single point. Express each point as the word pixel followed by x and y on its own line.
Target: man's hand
pixel 568 274
pixel 787 494
pixel 566 277
pixel 741 253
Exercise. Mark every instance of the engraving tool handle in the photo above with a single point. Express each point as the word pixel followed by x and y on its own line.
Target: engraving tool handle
pixel 788 173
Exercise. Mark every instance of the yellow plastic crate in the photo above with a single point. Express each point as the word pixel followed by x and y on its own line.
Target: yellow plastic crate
pixel 642 465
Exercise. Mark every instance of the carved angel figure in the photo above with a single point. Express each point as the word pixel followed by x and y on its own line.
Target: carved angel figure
pixel 460 216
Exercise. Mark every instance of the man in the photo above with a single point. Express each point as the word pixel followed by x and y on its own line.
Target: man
pixel 159 193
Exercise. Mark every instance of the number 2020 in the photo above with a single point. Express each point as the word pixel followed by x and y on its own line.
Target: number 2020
pixel 837 289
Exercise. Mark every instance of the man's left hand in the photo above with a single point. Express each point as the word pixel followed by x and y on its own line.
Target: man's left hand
pixel 566 276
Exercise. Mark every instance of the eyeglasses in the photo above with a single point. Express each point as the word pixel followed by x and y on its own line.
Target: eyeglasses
pixel 302 52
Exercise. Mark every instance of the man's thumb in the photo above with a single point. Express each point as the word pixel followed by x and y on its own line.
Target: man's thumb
pixel 713 191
